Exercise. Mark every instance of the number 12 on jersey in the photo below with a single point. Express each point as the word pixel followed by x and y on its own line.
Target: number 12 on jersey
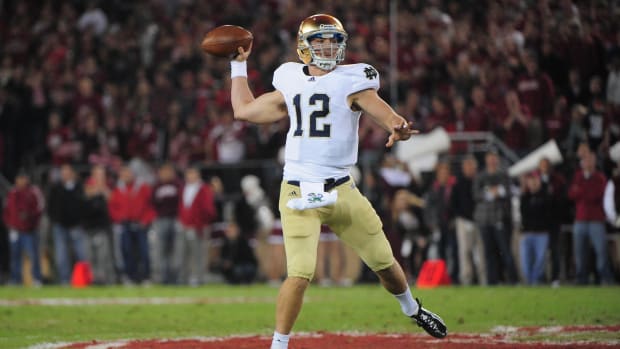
pixel 321 112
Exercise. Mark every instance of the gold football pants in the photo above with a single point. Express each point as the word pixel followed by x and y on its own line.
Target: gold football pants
pixel 352 218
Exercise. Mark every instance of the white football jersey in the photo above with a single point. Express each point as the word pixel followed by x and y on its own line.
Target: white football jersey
pixel 322 140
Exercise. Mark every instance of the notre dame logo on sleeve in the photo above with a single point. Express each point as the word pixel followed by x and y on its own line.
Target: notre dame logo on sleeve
pixel 370 72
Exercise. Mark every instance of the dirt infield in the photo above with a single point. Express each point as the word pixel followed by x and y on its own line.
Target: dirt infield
pixel 577 337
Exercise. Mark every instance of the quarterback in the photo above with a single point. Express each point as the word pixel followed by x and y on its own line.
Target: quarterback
pixel 324 102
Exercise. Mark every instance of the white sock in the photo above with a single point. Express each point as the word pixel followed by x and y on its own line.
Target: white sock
pixel 407 304
pixel 279 341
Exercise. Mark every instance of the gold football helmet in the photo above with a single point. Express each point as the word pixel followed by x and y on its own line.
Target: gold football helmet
pixel 324 56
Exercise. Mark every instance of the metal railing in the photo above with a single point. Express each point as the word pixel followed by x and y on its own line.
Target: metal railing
pixel 481 141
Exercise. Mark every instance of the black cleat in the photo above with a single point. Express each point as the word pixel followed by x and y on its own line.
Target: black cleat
pixel 430 322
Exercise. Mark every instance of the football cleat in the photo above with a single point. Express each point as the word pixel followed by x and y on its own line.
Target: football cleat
pixel 430 322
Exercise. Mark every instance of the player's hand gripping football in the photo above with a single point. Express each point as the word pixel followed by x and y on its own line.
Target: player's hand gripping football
pixel 242 54
pixel 401 132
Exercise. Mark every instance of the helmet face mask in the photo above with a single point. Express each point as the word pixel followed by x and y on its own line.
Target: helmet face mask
pixel 322 53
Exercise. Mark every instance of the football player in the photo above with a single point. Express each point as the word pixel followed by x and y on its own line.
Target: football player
pixel 324 102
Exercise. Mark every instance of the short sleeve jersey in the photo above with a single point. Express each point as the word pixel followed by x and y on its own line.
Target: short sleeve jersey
pixel 322 140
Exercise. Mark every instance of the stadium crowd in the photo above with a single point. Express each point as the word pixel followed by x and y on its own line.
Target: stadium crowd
pixel 104 92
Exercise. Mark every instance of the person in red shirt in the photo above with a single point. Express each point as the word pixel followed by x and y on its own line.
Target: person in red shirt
pixel 165 201
pixel 513 123
pixel 587 191
pixel 480 114
pixel 131 212
pixel 535 88
pixel 21 214
pixel 196 212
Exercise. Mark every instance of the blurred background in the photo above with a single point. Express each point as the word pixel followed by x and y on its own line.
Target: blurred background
pixel 119 151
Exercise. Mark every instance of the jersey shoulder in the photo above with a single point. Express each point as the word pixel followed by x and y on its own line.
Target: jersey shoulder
pixel 361 76
pixel 284 73
pixel 360 70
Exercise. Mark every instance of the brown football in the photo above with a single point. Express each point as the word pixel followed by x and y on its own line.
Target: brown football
pixel 224 40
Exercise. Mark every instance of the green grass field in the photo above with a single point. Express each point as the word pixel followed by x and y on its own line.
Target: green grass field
pixel 219 310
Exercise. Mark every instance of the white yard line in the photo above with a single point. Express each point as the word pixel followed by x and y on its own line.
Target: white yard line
pixel 50 345
pixel 132 301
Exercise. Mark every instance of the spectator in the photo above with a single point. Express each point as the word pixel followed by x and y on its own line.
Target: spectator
pixel 21 214
pixel 596 124
pixel 439 116
pixel 513 123
pixel 587 191
pixel 114 137
pixel 165 201
pixel 66 202
pixel 254 215
pixel 440 219
pixel 534 206
pixel 554 183
pixel 595 89
pixel 613 84
pixel 196 213
pixel 143 139
pixel 162 96
pixel 469 240
pixel 227 139
pixel 576 93
pixel 405 232
pixel 96 223
pixel 59 141
pixel 576 131
pixel 131 211
pixel 237 260
pixel 90 138
pixel 493 217
pixel 480 113
pixel 535 88
pixel 461 123
pixel 557 122
pixel 86 100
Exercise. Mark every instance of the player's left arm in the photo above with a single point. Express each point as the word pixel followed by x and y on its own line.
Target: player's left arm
pixel 374 106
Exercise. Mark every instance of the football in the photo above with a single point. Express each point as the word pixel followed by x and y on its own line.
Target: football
pixel 224 40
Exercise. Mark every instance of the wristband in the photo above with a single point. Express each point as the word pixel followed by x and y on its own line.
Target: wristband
pixel 238 69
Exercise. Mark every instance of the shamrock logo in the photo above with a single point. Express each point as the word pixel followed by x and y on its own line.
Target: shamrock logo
pixel 315 197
